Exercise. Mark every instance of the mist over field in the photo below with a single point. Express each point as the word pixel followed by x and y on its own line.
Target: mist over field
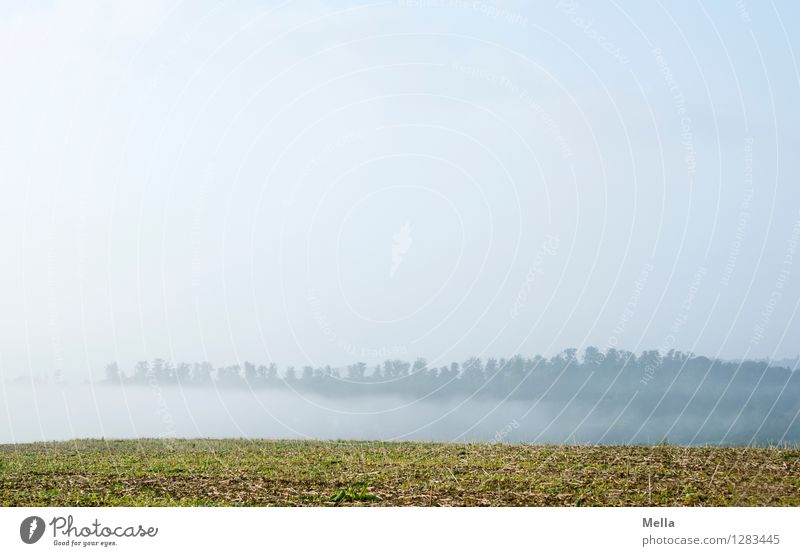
pixel 675 399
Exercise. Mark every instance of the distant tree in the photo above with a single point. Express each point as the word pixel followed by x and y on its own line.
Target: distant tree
pixel 592 357
pixel 201 372
pixel 472 371
pixel 230 375
pixel 516 367
pixel 261 374
pixel 627 357
pixel 250 372
pixel 169 373
pixel 419 366
pixel 401 368
pixel 141 371
pixel 650 358
pixel 112 372
pixel 158 369
pixel 455 370
pixel 491 368
pixel 612 358
pixel 570 356
pixel 357 371
pixel 448 373
pixel 182 373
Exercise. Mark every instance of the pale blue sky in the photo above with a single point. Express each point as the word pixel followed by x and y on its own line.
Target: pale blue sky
pixel 326 182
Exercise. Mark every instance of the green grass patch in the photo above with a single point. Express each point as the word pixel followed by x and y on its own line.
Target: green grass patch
pixel 355 493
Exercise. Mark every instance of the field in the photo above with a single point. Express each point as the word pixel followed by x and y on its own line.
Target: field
pixel 305 473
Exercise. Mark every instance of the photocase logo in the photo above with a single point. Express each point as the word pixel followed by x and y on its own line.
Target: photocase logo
pixel 31 529
pixel 400 245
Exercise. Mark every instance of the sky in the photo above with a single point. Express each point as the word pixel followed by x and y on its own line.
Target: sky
pixel 318 183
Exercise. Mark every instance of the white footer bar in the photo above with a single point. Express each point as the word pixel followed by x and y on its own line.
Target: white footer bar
pixel 388 531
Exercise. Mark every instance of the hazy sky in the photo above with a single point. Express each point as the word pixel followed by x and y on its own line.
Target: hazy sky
pixel 313 183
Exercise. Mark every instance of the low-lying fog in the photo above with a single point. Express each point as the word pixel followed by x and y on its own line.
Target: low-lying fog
pixel 35 412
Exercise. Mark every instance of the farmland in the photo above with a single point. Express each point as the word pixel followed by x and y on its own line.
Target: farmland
pixel 342 473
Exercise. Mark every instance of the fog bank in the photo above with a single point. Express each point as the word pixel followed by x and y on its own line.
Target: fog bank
pixel 52 412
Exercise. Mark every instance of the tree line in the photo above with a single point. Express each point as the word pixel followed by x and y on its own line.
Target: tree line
pixel 518 377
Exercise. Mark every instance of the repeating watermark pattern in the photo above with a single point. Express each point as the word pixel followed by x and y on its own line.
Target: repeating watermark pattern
pixel 479 6
pixel 401 243
pixel 501 434
pixel 780 283
pixel 679 100
pixel 548 248
pixel 331 336
pixel 630 307
pixel 669 341
pixel 162 411
pixel 506 83
pixel 570 8
pixel 744 213
pixel 741 9
pixel 326 154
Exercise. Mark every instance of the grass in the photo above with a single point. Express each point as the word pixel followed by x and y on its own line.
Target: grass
pixel 356 493
pixel 309 473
